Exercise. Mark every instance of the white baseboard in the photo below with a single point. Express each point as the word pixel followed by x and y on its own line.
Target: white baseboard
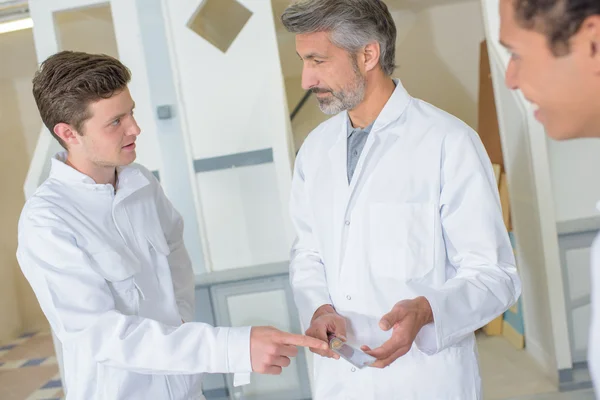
pixel 543 359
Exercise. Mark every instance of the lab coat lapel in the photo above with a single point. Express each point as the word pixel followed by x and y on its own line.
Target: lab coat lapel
pixel 379 141
pixel 130 180
pixel 340 189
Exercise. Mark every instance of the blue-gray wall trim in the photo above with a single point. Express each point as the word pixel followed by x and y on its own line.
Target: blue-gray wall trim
pixel 236 160
pixel 578 226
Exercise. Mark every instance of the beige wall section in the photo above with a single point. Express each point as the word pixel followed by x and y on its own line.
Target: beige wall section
pixel 19 309
pixel 438 56
pixel 12 153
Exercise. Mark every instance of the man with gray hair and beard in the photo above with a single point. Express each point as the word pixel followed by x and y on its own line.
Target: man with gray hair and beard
pixel 401 248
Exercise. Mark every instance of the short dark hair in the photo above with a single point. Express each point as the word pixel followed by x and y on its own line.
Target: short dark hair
pixel 351 24
pixel 67 82
pixel 559 20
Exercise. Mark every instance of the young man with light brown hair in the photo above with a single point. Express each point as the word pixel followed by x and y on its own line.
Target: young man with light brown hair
pixel 102 248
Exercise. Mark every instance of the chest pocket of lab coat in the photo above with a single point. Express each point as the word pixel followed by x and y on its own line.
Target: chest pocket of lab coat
pixel 119 272
pixel 401 240
pixel 158 243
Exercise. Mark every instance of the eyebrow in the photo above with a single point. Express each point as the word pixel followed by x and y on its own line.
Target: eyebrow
pixel 311 56
pixel 120 115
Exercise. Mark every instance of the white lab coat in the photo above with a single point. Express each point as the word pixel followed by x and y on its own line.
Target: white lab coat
pixel 114 279
pixel 421 217
pixel 593 343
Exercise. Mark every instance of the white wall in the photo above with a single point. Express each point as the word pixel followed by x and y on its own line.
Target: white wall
pixel 574 167
pixel 234 102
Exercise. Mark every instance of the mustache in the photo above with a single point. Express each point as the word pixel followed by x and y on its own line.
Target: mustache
pixel 320 90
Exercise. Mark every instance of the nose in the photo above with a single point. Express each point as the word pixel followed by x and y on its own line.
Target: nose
pixel 511 77
pixel 309 78
pixel 134 129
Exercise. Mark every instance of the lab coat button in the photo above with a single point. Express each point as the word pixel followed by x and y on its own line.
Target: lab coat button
pixel 353 369
pixel 349 297
pixel 347 222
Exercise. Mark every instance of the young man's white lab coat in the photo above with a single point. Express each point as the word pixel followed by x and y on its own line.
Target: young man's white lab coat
pixel 421 217
pixel 114 279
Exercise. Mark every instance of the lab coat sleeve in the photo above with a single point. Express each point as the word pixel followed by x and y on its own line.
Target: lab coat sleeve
pixel 307 272
pixel 486 283
pixel 182 272
pixel 79 305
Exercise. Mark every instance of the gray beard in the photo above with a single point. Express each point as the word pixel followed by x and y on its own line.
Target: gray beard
pixel 346 99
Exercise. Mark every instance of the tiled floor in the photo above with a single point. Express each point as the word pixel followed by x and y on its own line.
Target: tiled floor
pixel 578 395
pixel 28 369
pixel 510 374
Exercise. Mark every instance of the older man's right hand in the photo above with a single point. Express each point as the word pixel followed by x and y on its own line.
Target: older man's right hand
pixel 326 322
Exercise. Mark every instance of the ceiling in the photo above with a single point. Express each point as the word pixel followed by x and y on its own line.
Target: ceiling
pixel 393 5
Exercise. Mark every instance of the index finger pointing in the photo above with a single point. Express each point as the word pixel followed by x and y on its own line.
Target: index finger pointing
pixel 303 341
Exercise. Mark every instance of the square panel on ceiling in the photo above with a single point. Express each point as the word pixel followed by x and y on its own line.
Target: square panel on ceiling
pixel 219 21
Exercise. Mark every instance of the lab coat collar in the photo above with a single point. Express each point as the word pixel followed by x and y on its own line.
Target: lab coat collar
pixel 129 178
pixel 393 109
pixel 61 171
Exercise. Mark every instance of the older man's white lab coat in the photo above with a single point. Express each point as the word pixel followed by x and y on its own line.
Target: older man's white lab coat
pixel 421 217
pixel 112 276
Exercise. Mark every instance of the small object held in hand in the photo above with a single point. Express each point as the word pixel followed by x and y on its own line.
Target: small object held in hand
pixel 336 343
pixel 354 356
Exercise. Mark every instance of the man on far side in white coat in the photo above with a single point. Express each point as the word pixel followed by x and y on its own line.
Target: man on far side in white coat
pixel 401 244
pixel 555 62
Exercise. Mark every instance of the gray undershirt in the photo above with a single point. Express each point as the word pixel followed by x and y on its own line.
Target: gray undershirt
pixel 357 138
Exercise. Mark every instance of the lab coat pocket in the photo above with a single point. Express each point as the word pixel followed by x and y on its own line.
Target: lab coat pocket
pixel 401 240
pixel 158 242
pixel 119 273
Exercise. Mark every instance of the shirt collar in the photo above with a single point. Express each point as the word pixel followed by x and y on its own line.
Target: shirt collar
pixel 63 172
pixel 126 176
pixel 351 130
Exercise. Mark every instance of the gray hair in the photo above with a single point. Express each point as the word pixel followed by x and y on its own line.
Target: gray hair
pixel 351 24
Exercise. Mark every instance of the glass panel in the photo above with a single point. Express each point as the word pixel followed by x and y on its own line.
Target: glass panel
pixel 581 327
pixel 265 309
pixel 243 216
pixel 219 21
pixel 578 268
pixel 89 29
